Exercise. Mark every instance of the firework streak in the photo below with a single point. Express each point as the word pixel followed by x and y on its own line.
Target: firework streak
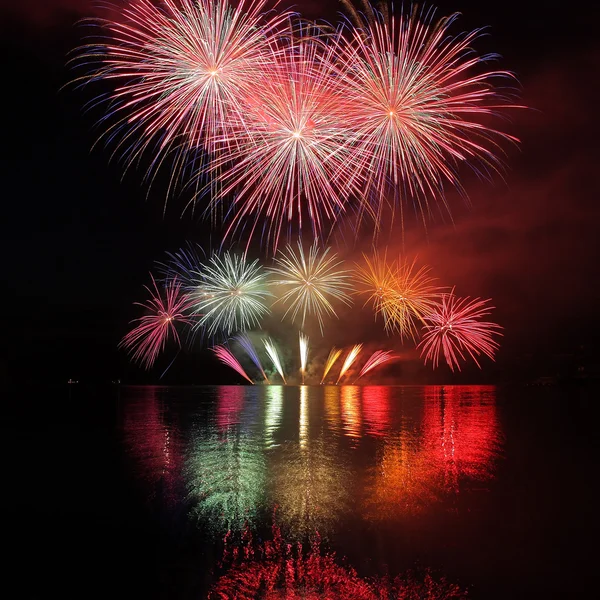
pixel 303 354
pixel 230 360
pixel 333 356
pixel 274 356
pixel 456 330
pixel 248 346
pixel 377 358
pixel 149 337
pixel 349 360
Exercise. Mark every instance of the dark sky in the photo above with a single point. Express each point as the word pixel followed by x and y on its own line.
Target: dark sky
pixel 79 240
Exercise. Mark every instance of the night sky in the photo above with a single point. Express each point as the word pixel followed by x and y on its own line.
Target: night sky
pixel 79 238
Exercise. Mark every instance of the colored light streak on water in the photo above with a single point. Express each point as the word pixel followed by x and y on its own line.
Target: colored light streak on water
pixel 279 569
pixel 332 407
pixel 376 402
pixel 227 358
pixel 226 474
pixel 303 416
pixel 303 340
pixel 351 417
pixel 349 360
pixel 248 346
pixel 334 354
pixel 273 413
pixel 462 433
pixel 229 406
pixel 274 356
pixel 153 444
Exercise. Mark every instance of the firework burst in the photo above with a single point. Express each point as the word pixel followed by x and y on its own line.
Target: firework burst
pixel 457 331
pixel 378 279
pixel 349 360
pixel 182 69
pixel 274 356
pixel 150 335
pixel 310 283
pixel 414 296
pixel 226 357
pixel 290 154
pixel 418 103
pixel 232 296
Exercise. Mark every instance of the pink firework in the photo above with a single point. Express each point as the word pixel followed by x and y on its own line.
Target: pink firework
pixel 378 358
pixel 226 357
pixel 419 104
pixel 287 161
pixel 456 330
pixel 182 68
pixel 148 339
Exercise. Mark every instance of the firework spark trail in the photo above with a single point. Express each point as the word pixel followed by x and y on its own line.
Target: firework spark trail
pixel 149 337
pixel 457 331
pixel 274 356
pixel 310 282
pixel 182 69
pixel 248 346
pixel 185 265
pixel 378 358
pixel 417 108
pixel 303 339
pixel 349 360
pixel 233 294
pixel 289 161
pixel 226 357
pixel 334 354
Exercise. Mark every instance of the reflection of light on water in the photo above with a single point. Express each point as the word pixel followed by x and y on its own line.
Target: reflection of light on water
pixel 351 410
pixel 274 406
pixel 460 440
pixel 226 470
pixel 377 409
pixel 332 406
pixel 303 416
pixel 152 442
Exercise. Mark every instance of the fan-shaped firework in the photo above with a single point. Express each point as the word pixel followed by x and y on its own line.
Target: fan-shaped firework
pixel 288 160
pixel 274 356
pixel 226 357
pixel 334 354
pixel 183 68
pixel 233 294
pixel 378 358
pixel 419 101
pixel 310 282
pixel 456 330
pixel 248 346
pixel 303 354
pixel 149 337
pixel 349 360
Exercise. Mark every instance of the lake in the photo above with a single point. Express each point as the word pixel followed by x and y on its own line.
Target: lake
pixel 302 491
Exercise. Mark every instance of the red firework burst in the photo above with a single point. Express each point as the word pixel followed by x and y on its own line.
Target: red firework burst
pixel 456 330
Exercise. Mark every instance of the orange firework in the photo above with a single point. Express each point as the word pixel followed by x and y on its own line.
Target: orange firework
pixel 333 356
pixel 349 360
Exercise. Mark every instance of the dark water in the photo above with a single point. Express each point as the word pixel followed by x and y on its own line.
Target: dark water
pixel 157 492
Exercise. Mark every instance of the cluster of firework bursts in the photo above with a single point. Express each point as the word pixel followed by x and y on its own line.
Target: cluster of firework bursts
pixel 275 123
pixel 278 125
pixel 223 297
